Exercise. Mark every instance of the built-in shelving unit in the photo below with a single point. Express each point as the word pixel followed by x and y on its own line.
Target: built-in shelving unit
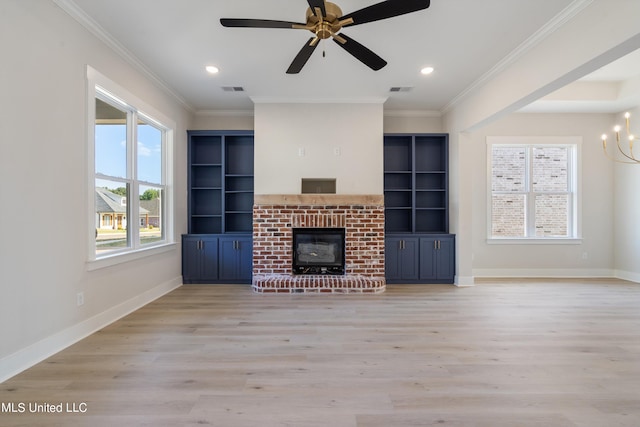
pixel 220 192
pixel 416 197
pixel 416 183
pixel 220 182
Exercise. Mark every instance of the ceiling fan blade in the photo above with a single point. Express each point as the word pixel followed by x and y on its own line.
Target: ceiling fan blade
pixel 302 57
pixel 363 54
pixel 257 23
pixel 384 10
pixel 313 4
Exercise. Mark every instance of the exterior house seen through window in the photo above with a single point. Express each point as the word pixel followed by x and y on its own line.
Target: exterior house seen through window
pixel 533 190
pixel 130 182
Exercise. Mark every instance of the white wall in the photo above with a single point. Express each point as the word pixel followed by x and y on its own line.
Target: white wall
pixel 601 32
pixel 43 187
pixel 223 120
pixel 553 260
pixel 285 131
pixel 413 123
pixel 627 208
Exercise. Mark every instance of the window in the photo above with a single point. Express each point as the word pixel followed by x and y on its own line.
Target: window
pixel 129 158
pixel 533 188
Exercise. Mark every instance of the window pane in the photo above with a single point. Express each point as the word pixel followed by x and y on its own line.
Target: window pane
pixel 149 153
pixel 112 199
pixel 110 140
pixel 508 169
pixel 151 215
pixel 508 215
pixel 550 169
pixel 552 213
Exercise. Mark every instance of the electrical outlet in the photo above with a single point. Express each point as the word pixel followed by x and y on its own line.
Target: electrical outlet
pixel 337 151
pixel 80 298
pixel 301 152
pixel 585 255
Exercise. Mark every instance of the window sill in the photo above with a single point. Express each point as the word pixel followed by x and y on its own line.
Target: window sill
pixel 119 258
pixel 547 241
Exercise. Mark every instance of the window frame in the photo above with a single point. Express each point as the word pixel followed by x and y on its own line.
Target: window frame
pixel 101 87
pixel 574 180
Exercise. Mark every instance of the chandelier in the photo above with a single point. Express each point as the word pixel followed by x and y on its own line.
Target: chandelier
pixel 628 154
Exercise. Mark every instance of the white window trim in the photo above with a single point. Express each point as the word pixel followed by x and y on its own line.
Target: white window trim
pixel 576 239
pixel 117 93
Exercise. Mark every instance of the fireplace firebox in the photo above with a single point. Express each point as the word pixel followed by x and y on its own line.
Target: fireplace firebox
pixel 319 251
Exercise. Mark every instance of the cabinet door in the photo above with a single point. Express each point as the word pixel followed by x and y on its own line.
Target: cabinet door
pixel 236 259
pixel 245 259
pixel 199 259
pixel 437 259
pixel 401 259
pixel 409 259
pixel 445 260
pixel 428 252
pixel 392 259
pixel 190 259
pixel 209 258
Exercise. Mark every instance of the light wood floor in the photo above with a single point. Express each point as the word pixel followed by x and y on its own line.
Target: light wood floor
pixel 500 354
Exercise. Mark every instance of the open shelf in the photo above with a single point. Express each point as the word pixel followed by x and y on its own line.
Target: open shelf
pixel 416 183
pixel 220 182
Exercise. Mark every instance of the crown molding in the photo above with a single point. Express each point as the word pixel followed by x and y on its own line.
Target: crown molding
pixel 357 100
pixel 75 12
pixel 549 28
pixel 413 113
pixel 225 113
pixel 387 113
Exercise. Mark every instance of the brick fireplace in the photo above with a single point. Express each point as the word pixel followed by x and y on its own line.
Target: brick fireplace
pixel 275 216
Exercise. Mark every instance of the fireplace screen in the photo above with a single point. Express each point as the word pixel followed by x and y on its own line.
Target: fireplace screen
pixel 318 250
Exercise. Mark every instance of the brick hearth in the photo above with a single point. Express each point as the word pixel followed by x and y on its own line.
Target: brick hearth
pixel 362 216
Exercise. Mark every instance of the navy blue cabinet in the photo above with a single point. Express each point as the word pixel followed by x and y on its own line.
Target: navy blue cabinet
pixel 199 259
pixel 437 259
pixel 236 259
pixel 420 258
pixel 402 259
pixel 418 248
pixel 220 207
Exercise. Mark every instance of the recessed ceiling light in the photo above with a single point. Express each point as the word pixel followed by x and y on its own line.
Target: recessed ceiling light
pixel 427 70
pixel 211 69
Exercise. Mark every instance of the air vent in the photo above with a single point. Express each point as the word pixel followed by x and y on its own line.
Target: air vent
pixel 233 88
pixel 400 89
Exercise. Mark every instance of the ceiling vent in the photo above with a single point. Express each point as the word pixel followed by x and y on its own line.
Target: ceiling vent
pixel 400 89
pixel 233 88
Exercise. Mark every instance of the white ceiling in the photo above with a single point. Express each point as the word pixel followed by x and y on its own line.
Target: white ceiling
pixel 173 40
pixel 611 89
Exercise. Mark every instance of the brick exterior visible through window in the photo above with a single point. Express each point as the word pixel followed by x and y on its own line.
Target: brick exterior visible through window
pixel 532 191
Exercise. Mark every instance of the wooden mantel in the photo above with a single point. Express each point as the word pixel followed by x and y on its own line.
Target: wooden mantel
pixel 319 199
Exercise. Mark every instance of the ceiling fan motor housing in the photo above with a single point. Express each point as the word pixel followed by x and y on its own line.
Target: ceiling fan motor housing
pixel 325 27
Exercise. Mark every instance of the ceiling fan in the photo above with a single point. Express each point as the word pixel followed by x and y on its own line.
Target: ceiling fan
pixel 325 19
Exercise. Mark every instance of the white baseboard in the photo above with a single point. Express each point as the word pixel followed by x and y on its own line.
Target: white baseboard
pixel 464 281
pixel 628 275
pixel 543 273
pixel 37 352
